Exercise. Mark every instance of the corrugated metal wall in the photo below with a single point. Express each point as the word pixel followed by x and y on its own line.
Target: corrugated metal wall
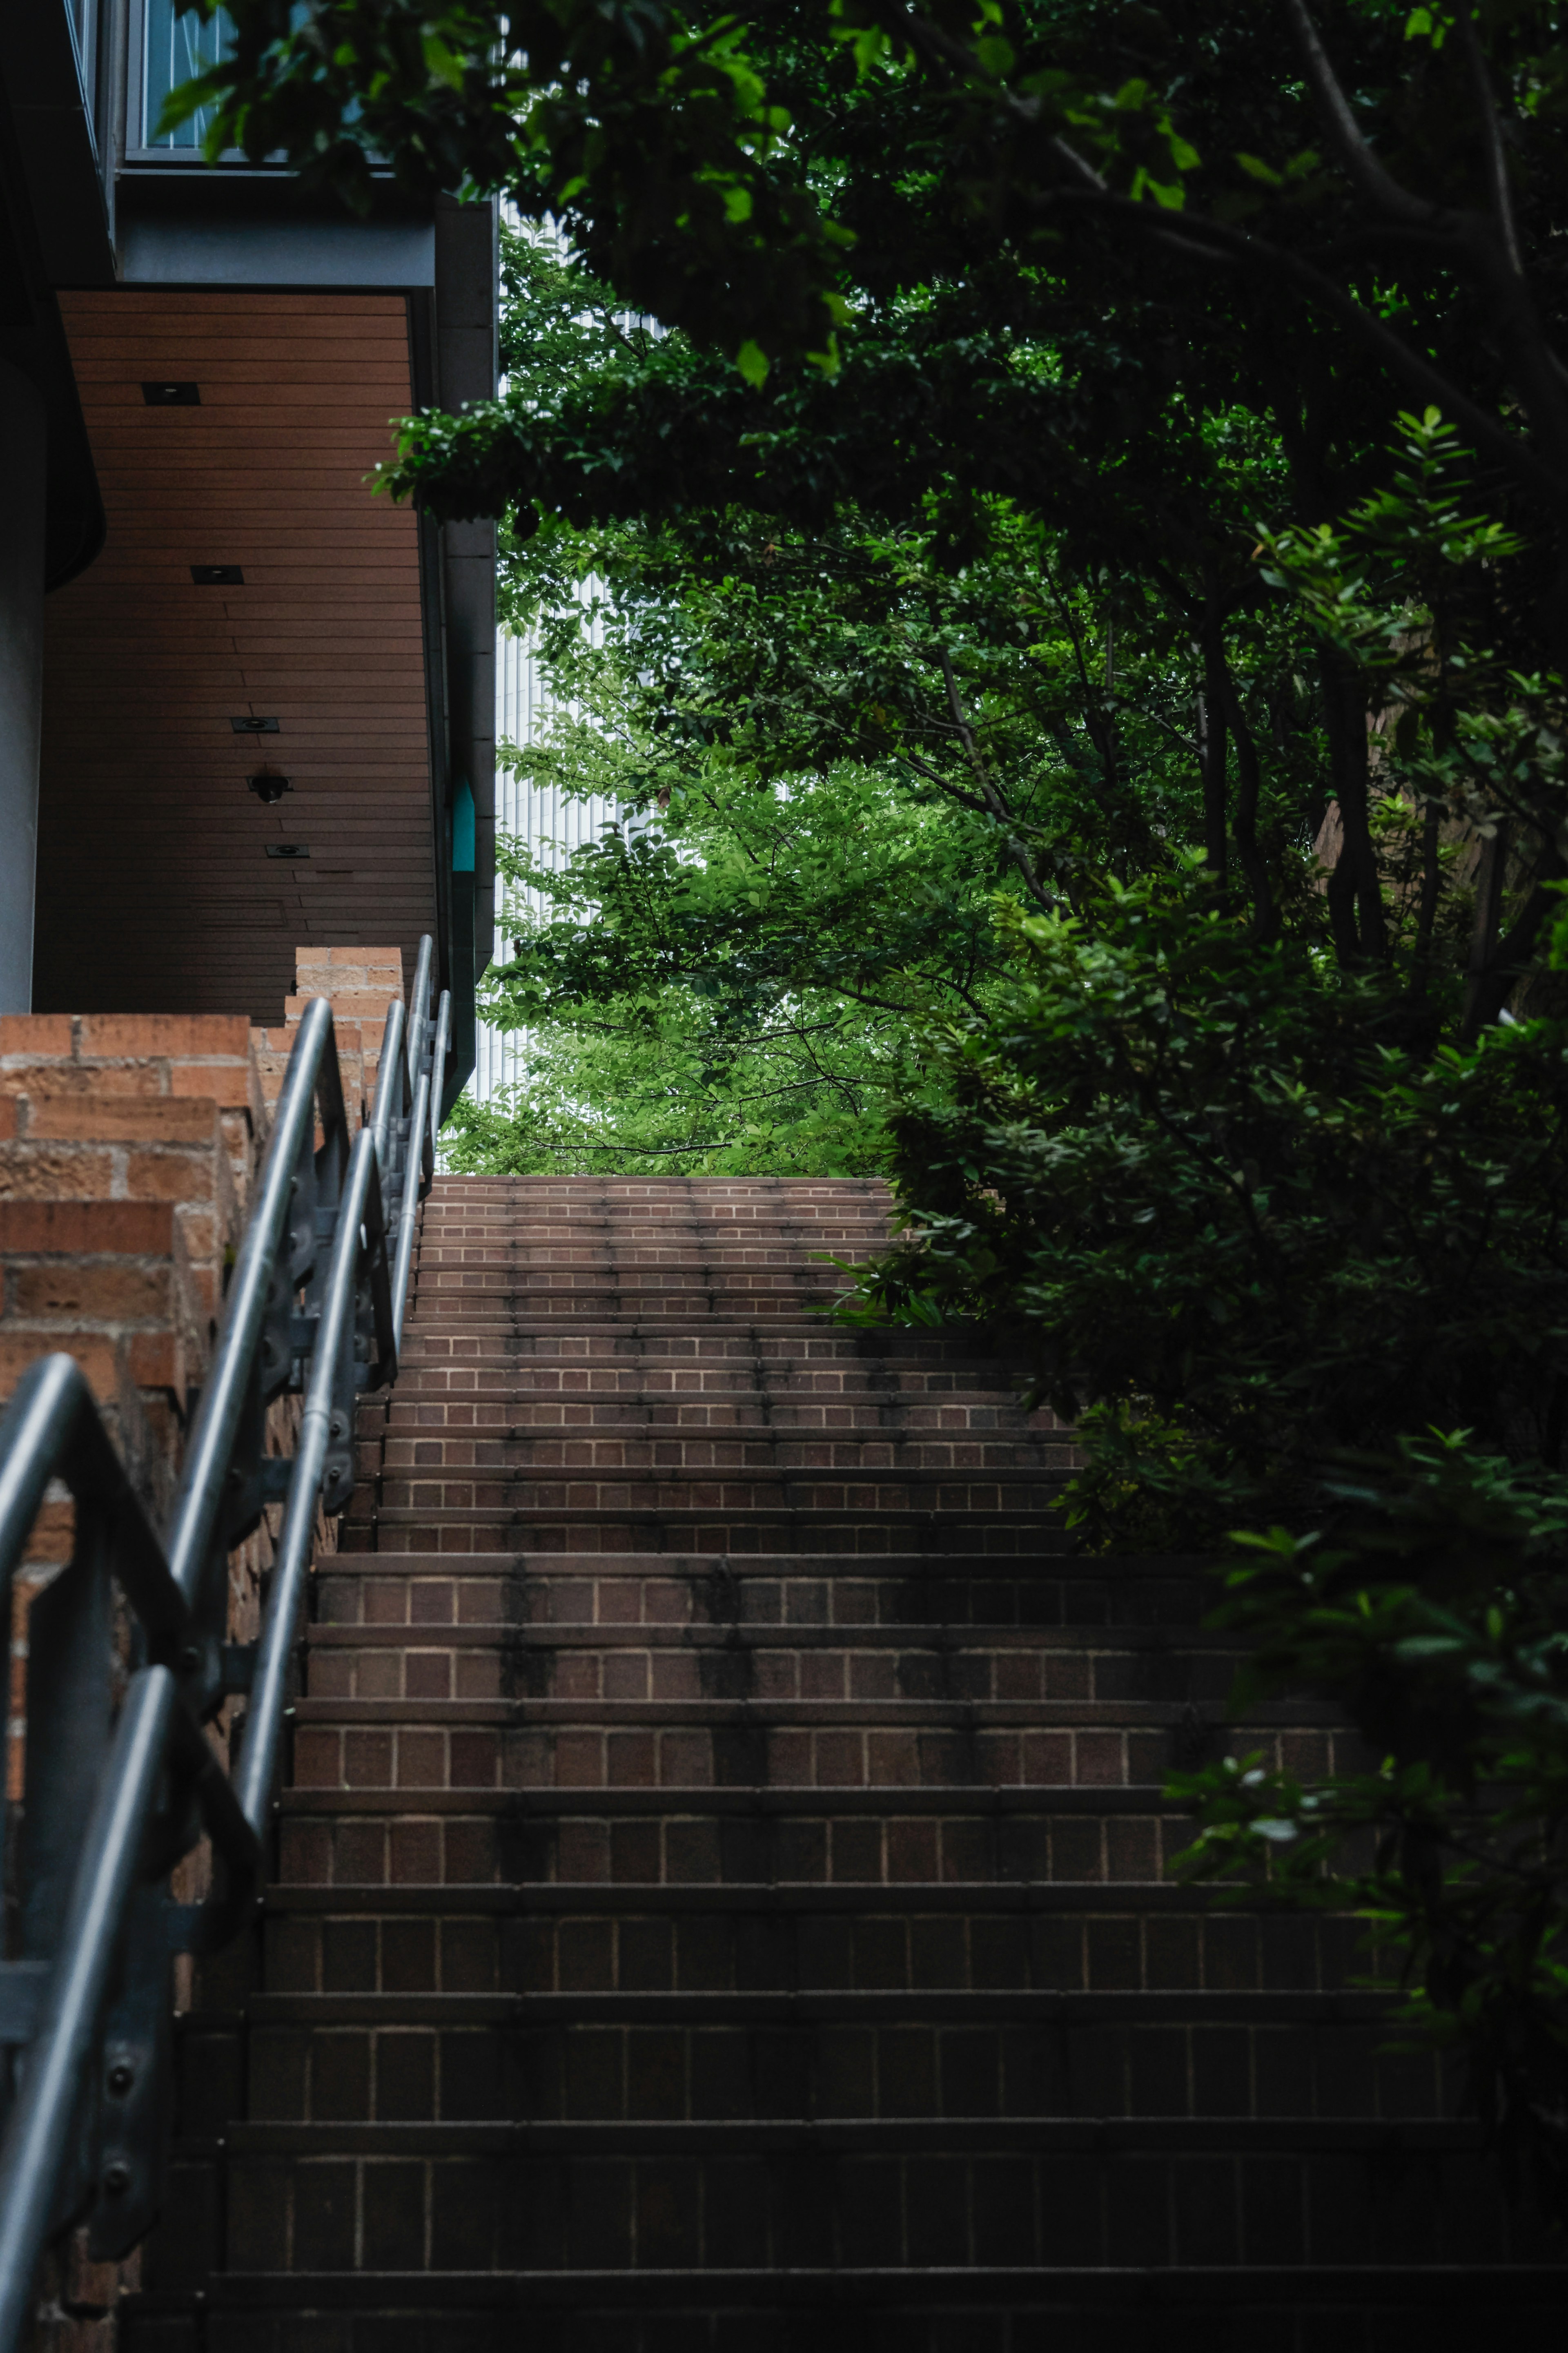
pixel 552 824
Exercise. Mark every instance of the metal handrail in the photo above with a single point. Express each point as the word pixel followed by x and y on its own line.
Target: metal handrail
pixel 84 2004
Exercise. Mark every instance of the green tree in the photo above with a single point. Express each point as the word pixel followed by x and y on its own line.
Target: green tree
pixel 1095 539
pixel 1198 206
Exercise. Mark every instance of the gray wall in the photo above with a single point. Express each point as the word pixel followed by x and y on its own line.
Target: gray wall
pixel 23 455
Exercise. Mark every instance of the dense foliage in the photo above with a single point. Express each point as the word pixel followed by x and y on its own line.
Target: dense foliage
pixel 1107 457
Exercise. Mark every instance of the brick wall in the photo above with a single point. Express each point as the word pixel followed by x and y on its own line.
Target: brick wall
pixel 361 984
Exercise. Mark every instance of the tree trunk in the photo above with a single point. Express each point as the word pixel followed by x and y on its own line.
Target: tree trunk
pixel 1355 898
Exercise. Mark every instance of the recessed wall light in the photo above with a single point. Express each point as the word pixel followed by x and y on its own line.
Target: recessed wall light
pixel 165 394
pixel 217 575
pixel 254 727
pixel 288 850
pixel 270 785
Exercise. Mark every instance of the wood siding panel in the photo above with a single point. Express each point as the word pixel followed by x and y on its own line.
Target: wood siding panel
pixel 154 891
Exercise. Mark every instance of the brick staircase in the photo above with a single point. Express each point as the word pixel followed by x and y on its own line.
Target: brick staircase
pixel 720 1891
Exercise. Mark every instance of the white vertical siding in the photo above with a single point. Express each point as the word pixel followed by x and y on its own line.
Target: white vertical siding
pixel 552 824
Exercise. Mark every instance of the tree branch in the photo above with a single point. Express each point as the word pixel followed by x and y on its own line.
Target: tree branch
pixel 994 802
pixel 1212 712
pixel 1098 736
pixel 1360 165
pixel 1216 241
pixel 1245 828
pixel 1491 139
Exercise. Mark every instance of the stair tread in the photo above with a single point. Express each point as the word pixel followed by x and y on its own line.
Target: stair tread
pixel 906 2135
pixel 521 1898
pixel 1473 2286
pixel 1088 1798
pixel 881 1712
pixel 953 2005
pixel 671 1563
pixel 562 1633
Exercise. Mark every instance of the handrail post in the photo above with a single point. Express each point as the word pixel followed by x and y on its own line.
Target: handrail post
pixel 439 1068
pixel 418 1013
pixel 264 1713
pixel 202 1483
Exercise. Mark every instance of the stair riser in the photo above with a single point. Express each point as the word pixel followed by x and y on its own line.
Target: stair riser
pixel 752 1669
pixel 685 1757
pixel 646 1383
pixel 636 1417
pixel 621 1272
pixel 611 2211
pixel 455 1851
pixel 413 1460
pixel 705 1345
pixel 487 1314
pixel 804 1529
pixel 1003 2312
pixel 1080 1947
pixel 421 2074
pixel 364 1588
pixel 957 1494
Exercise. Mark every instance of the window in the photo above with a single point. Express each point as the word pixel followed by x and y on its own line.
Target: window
pixel 174 49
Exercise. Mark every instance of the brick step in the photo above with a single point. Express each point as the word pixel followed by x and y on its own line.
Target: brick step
pixel 706 1187
pixel 508 1241
pixel 1192 2012
pixel 511 1241
pixel 758 1802
pixel 658 1244
pixel 699 1368
pixel 1114 2308
pixel 490 1383
pixel 803 1504
pixel 459 1276
pixel 560 1660
pixel 677 1451
pixel 1141 2136
pixel 516 1197
pixel 634 1412
pixel 1018 2190
pixel 723 1531
pixel 487 1494
pixel 806 1244
pixel 1088 1834
pixel 823 1347
pixel 421 1588
pixel 539 1213
pixel 755 1800
pixel 785 1475
pixel 453 1837
pixel 801 1744
pixel 553 1937
pixel 535 2060
pixel 893 1723
pixel 588 1276
pixel 784 1323
pixel 683 1308
pixel 587 1273
pixel 708 1198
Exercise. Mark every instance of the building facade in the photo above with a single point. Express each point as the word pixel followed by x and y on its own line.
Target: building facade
pixel 245 704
